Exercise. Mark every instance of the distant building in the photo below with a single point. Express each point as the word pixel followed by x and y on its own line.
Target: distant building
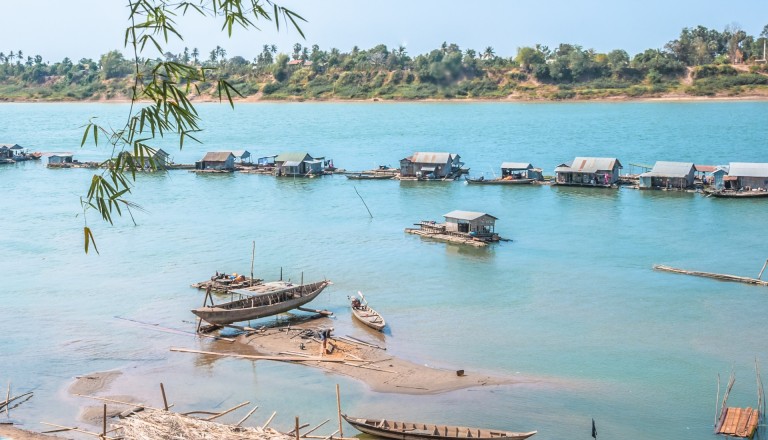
pixel 679 175
pixel 521 170
pixel 242 155
pixel 474 223
pixel 217 160
pixel 589 171
pixel 297 164
pixel 431 166
pixel 266 160
pixel 746 176
pixel 58 158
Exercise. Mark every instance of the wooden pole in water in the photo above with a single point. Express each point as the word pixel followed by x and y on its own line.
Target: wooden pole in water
pixel 104 423
pixel 165 400
pixel 281 273
pixel 338 409
pixel 253 257
pixel 365 204
pixel 7 400
pixel 761 270
pixel 717 399
pixel 298 437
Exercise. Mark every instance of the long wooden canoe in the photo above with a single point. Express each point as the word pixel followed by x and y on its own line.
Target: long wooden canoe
pixel 420 431
pixel 499 181
pixel 263 300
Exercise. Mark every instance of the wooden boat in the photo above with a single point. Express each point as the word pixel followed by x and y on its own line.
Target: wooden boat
pixel 418 431
pixel 262 300
pixel 366 176
pixel 498 181
pixel 367 315
pixel 724 193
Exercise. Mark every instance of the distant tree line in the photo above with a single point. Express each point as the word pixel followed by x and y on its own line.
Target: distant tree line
pixel 705 55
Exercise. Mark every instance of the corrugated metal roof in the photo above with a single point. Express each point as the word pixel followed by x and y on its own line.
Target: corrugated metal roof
pixel 434 158
pixel 705 168
pixel 516 166
pixel 293 156
pixel 467 215
pixel 217 156
pixel 748 169
pixel 291 163
pixel 241 154
pixel 670 169
pixel 12 146
pixel 593 164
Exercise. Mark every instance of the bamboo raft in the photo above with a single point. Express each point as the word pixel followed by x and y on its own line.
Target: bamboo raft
pixel 738 422
pixel 718 276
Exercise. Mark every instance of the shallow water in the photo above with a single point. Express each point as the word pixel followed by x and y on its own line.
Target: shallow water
pixel 571 304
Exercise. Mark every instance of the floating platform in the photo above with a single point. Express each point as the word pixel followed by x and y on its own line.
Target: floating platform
pixel 223 285
pixel 455 237
pixel 738 422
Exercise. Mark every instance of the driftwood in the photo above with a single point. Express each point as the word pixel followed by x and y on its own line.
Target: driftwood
pixel 162 425
pixel 717 276
pixel 173 330
pixel 63 428
pixel 227 411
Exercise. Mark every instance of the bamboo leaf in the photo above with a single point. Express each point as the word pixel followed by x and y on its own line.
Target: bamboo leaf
pixel 88 235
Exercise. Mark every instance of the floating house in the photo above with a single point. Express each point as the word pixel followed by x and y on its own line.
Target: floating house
pixel 5 152
pixel 158 158
pixel 478 224
pixel 465 227
pixel 266 160
pixel 748 176
pixel 242 155
pixel 668 175
pixel 589 171
pixel 217 161
pixel 60 158
pixel 520 170
pixel 298 164
pixel 431 166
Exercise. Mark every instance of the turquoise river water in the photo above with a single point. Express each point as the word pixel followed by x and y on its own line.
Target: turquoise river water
pixel 571 306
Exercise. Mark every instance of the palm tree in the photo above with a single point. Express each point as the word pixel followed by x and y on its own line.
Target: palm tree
pixel 273 49
pixel 2 58
pixel 195 54
pixel 11 57
pixel 19 56
pixel 489 54
pixel 213 56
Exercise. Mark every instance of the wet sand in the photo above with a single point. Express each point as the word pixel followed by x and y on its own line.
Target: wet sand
pixel 373 366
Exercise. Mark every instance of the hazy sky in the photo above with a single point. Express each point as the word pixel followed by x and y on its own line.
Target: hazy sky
pixel 88 28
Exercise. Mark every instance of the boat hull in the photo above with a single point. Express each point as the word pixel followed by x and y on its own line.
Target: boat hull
pixel 261 306
pixel 738 194
pixel 369 317
pixel 420 431
pixel 500 182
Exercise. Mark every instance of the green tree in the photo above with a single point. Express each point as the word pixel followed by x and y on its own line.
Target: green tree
pixel 529 56
pixel 165 86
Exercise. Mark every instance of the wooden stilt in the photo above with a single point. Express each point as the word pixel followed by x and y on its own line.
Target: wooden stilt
pixel 253 257
pixel 298 437
pixel 338 409
pixel 165 400
pixel 104 423
pixel 762 270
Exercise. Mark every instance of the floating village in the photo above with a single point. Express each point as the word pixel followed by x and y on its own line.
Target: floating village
pixel 231 300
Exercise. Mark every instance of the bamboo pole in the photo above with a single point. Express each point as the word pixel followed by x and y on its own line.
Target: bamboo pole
pixel 361 198
pixel 227 411
pixel 717 399
pixel 296 432
pixel 246 416
pixel 165 400
pixel 7 400
pixel 253 257
pixel 338 409
pixel 76 429
pixel 762 270
pixel 315 428
pixel 718 276
pixel 104 423
pixel 105 399
pixel 264 426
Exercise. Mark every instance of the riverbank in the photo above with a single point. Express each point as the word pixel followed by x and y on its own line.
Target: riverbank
pixel 666 97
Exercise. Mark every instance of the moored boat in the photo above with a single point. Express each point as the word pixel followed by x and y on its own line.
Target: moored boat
pixel 370 176
pixel 418 431
pixel 260 301
pixel 727 193
pixel 366 315
pixel 499 181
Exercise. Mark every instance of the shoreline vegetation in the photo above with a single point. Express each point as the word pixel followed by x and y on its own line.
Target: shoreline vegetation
pixel 700 63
